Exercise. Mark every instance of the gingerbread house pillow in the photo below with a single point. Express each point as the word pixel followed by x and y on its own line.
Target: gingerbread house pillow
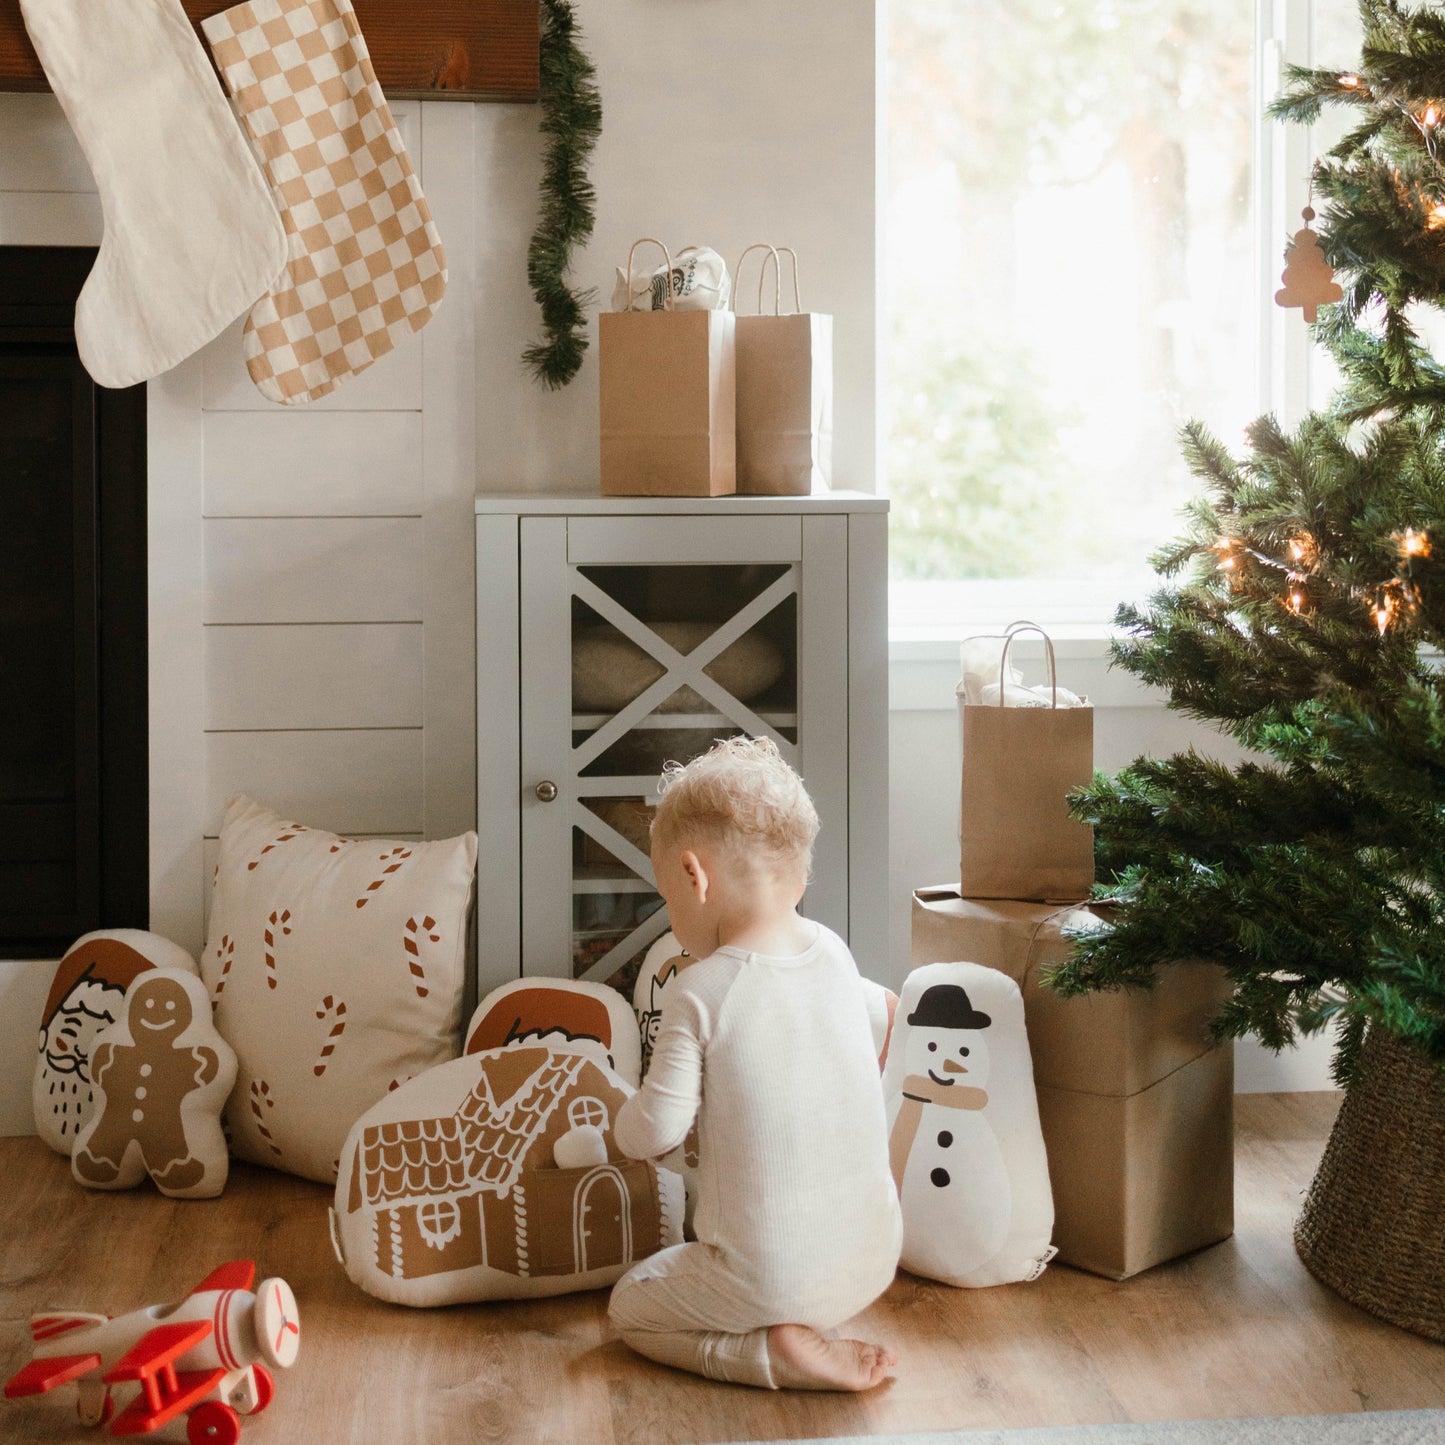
pixel 497 1176
pixel 336 969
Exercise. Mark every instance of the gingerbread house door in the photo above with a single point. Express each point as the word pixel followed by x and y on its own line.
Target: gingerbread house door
pixel 602 1221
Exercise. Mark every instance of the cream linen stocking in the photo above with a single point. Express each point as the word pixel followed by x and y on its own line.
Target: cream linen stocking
pixel 192 237
pixel 366 265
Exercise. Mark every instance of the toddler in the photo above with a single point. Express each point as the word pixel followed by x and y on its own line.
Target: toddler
pixel 767 1035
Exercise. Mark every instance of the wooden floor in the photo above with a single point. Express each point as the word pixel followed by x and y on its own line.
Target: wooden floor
pixel 1239 1329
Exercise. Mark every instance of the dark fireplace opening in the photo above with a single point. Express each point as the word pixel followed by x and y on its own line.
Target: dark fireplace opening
pixel 73 675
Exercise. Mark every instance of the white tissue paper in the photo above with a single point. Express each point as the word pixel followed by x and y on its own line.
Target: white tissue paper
pixel 979 660
pixel 700 282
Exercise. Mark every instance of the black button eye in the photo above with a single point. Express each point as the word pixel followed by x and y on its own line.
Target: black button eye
pixel 963 1052
pixel 932 1048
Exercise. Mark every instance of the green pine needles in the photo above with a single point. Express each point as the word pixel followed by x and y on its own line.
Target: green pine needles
pixel 1304 611
pixel 571 122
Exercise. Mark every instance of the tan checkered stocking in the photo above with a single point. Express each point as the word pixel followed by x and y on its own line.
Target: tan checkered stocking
pixel 366 265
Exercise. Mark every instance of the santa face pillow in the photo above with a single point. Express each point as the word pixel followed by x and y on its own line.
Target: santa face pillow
pixel 964 1142
pixel 559 1013
pixel 497 1176
pixel 85 999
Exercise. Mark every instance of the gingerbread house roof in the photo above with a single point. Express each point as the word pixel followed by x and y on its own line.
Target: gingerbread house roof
pixel 483 1143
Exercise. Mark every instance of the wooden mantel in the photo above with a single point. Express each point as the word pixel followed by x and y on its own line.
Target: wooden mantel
pixel 433 49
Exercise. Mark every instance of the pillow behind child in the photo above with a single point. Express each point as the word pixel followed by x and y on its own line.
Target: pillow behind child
pixel 964 1140
pixel 336 967
pixel 558 1013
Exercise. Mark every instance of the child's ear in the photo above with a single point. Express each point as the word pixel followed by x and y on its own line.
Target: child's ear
pixel 695 873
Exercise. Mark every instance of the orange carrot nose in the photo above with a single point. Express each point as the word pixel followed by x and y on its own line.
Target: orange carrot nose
pixel 949 1067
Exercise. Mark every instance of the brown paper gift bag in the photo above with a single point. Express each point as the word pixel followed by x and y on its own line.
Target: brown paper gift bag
pixel 1019 764
pixel 784 392
pixel 668 406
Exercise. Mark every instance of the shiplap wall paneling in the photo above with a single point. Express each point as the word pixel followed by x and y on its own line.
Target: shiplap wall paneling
pixel 313 569
pixel 348 781
pixel 337 464
pixel 319 675
pixel 449 431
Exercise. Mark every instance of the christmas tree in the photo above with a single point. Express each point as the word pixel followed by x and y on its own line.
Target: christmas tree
pixel 1303 610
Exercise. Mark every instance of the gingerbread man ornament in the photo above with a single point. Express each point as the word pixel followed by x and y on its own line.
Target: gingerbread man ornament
pixel 161 1074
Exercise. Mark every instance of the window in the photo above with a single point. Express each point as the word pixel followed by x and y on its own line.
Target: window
pixel 587 1110
pixel 1086 219
pixel 440 1221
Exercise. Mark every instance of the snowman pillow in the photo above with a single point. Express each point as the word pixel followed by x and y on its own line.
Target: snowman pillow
pixel 964 1140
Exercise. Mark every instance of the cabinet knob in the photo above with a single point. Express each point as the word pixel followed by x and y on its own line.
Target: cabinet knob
pixel 547 792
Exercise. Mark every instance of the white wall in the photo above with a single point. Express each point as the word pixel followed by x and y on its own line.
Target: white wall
pixel 724 123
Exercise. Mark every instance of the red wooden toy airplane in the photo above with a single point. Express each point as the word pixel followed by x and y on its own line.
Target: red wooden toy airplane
pixel 202 1361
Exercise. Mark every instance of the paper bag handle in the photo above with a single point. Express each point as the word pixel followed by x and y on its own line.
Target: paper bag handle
pixel 763 271
pixel 792 255
pixel 774 252
pixel 1013 630
pixel 649 241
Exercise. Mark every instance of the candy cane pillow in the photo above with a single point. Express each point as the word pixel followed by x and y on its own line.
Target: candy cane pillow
pixel 335 967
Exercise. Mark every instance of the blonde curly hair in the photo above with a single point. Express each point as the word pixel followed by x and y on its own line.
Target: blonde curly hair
pixel 742 797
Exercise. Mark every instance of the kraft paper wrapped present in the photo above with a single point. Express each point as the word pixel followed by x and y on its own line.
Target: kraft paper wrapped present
pixel 667 398
pixel 784 392
pixel 1137 1105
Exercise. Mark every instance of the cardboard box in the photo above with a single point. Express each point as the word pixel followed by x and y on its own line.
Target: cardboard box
pixel 1137 1106
pixel 668 403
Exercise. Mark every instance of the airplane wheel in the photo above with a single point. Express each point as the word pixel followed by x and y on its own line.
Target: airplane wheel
pixel 213 1424
pixel 265 1388
pixel 96 1417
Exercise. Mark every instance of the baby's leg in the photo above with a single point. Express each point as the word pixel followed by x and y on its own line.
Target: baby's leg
pixel 682 1308
pixel 677 1308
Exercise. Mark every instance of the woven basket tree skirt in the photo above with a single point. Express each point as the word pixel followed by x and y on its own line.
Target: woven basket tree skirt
pixel 1373 1226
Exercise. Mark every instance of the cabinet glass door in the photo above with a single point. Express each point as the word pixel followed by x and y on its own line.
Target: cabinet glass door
pixel 678 631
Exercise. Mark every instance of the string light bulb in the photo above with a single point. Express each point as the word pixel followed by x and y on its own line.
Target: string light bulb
pixel 1383 609
pixel 1350 82
pixel 1431 118
pixel 1302 549
pixel 1436 218
pixel 1226 548
pixel 1296 602
pixel 1413 543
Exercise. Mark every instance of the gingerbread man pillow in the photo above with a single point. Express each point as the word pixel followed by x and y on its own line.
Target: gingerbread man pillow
pixel 85 998
pixel 160 1076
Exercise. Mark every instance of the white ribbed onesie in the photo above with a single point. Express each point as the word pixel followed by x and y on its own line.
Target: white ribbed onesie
pixel 797 1216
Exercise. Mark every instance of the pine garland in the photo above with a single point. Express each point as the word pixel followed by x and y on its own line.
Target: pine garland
pixel 571 121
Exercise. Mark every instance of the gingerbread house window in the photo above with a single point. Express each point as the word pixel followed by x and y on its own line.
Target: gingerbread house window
pixel 587 1110
pixel 440 1221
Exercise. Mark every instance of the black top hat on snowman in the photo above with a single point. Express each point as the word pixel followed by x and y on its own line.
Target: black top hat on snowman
pixel 946 1006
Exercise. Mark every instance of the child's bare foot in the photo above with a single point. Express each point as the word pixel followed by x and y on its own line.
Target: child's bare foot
pixel 803 1360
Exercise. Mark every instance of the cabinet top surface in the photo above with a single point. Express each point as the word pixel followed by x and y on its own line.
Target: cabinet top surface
pixel 589 503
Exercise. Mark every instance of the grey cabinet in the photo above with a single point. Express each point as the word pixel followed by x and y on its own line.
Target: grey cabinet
pixel 616 634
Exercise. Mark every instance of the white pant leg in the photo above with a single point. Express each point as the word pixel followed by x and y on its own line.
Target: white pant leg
pixel 682 1308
